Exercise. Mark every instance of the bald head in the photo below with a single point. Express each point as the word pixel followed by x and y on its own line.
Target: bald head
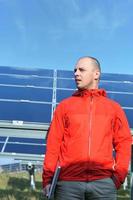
pixel 94 62
pixel 87 73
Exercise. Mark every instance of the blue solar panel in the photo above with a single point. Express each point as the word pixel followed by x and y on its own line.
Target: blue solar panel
pixel 65 74
pixel 123 99
pixel 29 112
pixel 23 71
pixel 129 114
pixel 117 77
pixel 120 87
pixel 28 95
pixel 32 94
pixel 66 83
pixel 2 139
pixel 25 149
pixel 27 140
pixel 26 80
pixel 23 145
pixel 1 146
pixel 54 89
pixel 62 94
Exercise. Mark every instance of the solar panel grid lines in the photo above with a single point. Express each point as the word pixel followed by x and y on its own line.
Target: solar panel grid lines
pixel 31 96
pixel 2 142
pixel 117 77
pixel 25 111
pixel 25 76
pixel 63 78
pixel 27 140
pixel 25 71
pixel 25 86
pixel 23 145
pixel 116 81
pixel 117 86
pixel 128 108
pixel 2 138
pixel 4 145
pixel 25 149
pixel 54 93
pixel 25 101
pixel 119 92
pixel 22 81
pixel 66 89
pixel 65 74
pixel 63 85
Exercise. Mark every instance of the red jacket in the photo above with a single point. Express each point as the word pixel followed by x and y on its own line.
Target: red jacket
pixel 85 129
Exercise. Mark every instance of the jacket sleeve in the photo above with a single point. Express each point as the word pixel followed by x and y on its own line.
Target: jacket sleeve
pixel 54 139
pixel 122 147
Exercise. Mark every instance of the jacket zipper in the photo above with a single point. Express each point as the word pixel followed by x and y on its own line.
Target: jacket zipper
pixel 90 125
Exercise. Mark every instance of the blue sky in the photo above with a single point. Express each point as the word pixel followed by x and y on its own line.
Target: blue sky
pixel 55 33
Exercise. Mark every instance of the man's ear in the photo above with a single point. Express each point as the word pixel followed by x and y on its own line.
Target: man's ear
pixel 97 75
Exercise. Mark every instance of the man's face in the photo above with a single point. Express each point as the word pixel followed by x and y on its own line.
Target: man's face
pixel 86 74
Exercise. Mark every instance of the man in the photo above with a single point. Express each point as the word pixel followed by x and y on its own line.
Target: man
pixel 85 130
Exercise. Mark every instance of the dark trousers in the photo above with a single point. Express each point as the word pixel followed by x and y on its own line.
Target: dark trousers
pixel 75 190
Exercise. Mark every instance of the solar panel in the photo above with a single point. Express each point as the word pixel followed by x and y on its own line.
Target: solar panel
pixel 117 86
pixel 66 83
pixel 22 145
pixel 64 74
pixel 25 111
pixel 26 140
pixel 1 146
pixel 26 93
pixel 21 80
pixel 2 139
pixel 124 99
pixel 25 149
pixel 30 95
pixel 117 77
pixel 62 94
pixel 24 71
pixel 129 114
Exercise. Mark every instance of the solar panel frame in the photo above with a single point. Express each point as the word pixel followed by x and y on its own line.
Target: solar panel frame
pixel 37 112
pixel 26 71
pixel 26 140
pixel 1 146
pixel 61 84
pixel 117 86
pixel 24 149
pixel 26 93
pixel 22 145
pixel 27 81
pixel 65 74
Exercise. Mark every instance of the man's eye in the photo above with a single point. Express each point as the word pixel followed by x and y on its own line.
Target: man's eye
pixel 81 70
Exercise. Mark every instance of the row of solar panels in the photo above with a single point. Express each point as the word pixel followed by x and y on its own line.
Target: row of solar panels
pixel 17 145
pixel 60 73
pixel 22 145
pixel 27 95
pixel 46 95
pixel 30 112
pixel 36 82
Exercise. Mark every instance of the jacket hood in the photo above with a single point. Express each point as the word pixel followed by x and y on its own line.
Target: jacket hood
pixel 92 92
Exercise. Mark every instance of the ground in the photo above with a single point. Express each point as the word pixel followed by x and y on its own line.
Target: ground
pixel 16 186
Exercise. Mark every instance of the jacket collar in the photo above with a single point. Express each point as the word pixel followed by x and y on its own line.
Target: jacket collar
pixel 92 92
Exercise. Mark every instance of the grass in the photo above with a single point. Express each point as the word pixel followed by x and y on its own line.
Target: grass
pixel 16 186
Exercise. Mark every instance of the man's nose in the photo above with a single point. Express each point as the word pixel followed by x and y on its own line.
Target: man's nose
pixel 76 73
